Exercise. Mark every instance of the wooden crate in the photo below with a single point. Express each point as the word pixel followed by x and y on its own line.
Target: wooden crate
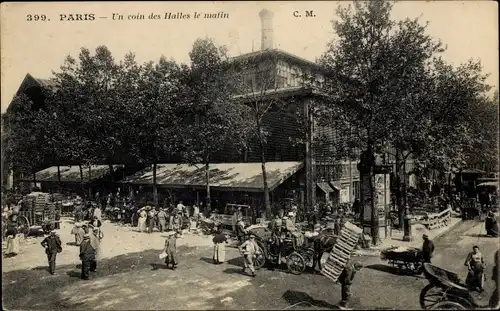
pixel 342 251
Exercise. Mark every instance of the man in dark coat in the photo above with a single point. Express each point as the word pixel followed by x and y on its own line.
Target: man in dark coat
pixel 345 280
pixel 52 245
pixel 87 256
pixel 427 248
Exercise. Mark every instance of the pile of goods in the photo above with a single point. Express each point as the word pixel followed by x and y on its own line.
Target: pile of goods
pixel 342 251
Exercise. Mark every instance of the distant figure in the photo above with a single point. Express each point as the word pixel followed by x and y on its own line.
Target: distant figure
pixel 52 245
pixel 171 250
pixel 427 248
pixel 87 256
pixel 240 230
pixel 95 242
pixel 97 213
pixel 162 220
pixel 475 264
pixel 12 238
pixel 180 208
pixel 142 220
pixel 220 242
pixel 345 279
pixel 491 225
pixel 151 220
pixel 78 232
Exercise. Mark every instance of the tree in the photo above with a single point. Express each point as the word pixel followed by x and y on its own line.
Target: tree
pixel 370 70
pixel 156 120
pixel 213 122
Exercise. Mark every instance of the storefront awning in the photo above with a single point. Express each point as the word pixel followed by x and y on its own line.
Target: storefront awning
pixel 325 187
pixel 337 185
pixel 223 176
pixel 71 174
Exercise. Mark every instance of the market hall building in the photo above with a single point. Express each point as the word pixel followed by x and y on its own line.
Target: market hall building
pixel 294 170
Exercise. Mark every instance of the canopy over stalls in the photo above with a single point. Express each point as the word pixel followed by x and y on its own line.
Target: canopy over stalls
pixel 223 176
pixel 71 174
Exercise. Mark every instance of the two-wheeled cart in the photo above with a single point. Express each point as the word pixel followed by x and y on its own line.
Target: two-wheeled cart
pixel 407 259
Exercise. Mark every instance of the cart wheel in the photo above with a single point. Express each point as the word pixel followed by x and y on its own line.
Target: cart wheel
pixel 296 263
pixel 448 305
pixel 430 296
pixel 260 261
pixel 309 256
pixel 46 229
pixel 23 225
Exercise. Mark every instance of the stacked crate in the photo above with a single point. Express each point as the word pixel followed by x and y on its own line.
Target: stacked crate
pixel 341 252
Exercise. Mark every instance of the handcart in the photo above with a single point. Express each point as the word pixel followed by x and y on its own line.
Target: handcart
pixel 404 258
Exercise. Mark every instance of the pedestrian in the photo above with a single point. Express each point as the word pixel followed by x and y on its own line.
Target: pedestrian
pixel 171 250
pixel 345 279
pixel 220 242
pixel 52 245
pixel 427 248
pixel 491 225
pixel 180 207
pixel 250 250
pixel 142 220
pixel 240 230
pixel 12 237
pixel 87 256
pixel 476 265
pixel 78 211
pixel 151 220
pixel 97 213
pixel 95 242
pixel 177 222
pixel 78 232
pixel 162 220
pixel 196 214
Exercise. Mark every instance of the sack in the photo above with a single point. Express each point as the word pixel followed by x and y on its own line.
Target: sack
pixel 59 249
pixel 163 255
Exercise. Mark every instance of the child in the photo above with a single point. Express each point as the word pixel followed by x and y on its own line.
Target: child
pixel 171 249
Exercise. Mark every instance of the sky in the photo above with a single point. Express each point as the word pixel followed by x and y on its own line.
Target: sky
pixel 469 29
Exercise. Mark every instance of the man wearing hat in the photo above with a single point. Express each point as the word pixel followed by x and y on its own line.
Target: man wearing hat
pixel 52 245
pixel 87 256
pixel 427 248
pixel 250 250
pixel 345 280
pixel 240 230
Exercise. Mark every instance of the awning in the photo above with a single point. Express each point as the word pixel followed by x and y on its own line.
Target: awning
pixel 72 173
pixel 488 184
pixel 325 187
pixel 337 185
pixel 227 176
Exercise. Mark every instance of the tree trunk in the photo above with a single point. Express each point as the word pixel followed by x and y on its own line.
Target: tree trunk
pixel 34 178
pixel 207 180
pixel 59 185
pixel 81 178
pixel 267 201
pixel 375 222
pixel 399 191
pixel 155 188
pixel 112 181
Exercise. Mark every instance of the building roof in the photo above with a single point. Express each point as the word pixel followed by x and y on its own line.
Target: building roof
pixel 274 93
pixel 72 173
pixel 227 176
pixel 278 52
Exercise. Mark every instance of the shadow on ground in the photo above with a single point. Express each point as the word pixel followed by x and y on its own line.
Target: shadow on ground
pixel 36 289
pixel 301 299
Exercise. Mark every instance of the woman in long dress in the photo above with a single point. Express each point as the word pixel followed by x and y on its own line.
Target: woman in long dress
pixel 12 238
pixel 142 220
pixel 220 241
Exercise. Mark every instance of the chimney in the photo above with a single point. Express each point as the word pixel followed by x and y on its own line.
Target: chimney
pixel 267 34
